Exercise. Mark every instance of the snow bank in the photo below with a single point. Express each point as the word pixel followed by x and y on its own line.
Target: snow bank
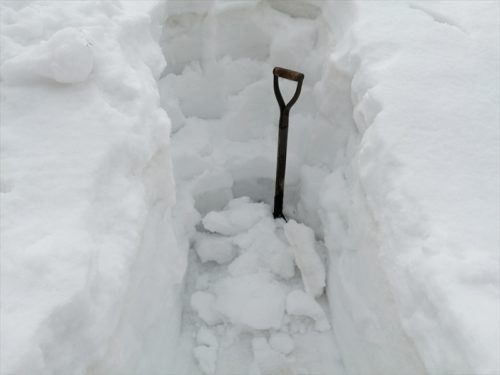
pixel 410 212
pixel 90 264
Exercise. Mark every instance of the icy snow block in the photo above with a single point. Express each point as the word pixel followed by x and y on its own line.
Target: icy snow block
pixel 214 248
pixel 301 239
pixel 301 303
pixel 238 216
pixel 255 301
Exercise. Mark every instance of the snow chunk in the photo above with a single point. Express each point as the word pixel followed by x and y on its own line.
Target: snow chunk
pixel 245 264
pixel 214 248
pixel 206 352
pixel 256 301
pixel 301 303
pixel 203 304
pixel 301 239
pixel 282 342
pixel 206 337
pixel 206 357
pixel 71 58
pixel 238 216
pixel 272 252
pixel 66 58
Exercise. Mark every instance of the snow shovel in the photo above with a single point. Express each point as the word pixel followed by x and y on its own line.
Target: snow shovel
pixel 283 133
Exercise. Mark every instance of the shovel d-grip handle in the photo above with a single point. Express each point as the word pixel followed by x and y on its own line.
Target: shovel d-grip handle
pixel 292 76
pixel 283 133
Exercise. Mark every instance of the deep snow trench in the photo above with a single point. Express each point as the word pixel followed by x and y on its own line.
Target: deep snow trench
pixel 110 264
pixel 254 299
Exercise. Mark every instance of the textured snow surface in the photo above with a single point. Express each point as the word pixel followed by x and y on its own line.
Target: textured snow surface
pixel 412 216
pixel 89 260
pixel 253 311
pixel 311 268
pixel 393 160
pixel 138 145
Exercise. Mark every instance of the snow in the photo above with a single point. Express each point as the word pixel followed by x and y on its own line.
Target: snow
pixel 238 217
pixel 206 353
pixel 137 176
pixel 90 267
pixel 267 360
pixel 411 211
pixel 266 249
pixel 251 308
pixel 65 58
pixel 244 264
pixel 215 249
pixel 311 267
pixel 205 356
pixel 281 342
pixel 203 303
pixel 397 179
pixel 251 300
pixel 301 303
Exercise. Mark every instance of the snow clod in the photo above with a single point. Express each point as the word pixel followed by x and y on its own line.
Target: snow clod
pixel 301 239
pixel 66 58
pixel 206 352
pixel 254 301
pixel 207 358
pixel 239 216
pixel 213 248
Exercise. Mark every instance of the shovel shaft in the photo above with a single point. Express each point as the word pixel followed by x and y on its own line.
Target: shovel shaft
pixel 279 189
pixel 283 134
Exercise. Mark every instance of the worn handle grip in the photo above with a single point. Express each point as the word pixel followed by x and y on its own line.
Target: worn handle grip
pixel 288 74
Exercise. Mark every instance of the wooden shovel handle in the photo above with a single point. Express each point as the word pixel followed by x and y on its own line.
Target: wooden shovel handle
pixel 288 74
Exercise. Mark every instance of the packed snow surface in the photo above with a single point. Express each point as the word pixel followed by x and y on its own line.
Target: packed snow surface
pixel 138 146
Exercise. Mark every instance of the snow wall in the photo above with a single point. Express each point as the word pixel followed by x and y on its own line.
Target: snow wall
pixel 90 269
pixel 414 239
pixel 396 153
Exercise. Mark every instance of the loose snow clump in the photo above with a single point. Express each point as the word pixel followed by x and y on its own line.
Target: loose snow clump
pixel 66 57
